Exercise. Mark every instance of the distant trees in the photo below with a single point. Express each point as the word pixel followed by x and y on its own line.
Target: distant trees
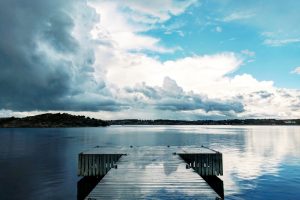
pixel 206 122
pixel 52 120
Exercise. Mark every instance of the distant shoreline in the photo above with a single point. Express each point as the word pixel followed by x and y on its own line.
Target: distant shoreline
pixel 49 120
pixel 63 120
pixel 267 122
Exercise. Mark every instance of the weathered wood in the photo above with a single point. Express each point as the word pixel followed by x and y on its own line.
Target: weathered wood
pixel 221 164
pixel 153 173
pixel 98 161
pixel 95 164
pixel 207 164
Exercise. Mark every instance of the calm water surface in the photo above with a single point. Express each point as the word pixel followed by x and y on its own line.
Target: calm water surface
pixel 260 162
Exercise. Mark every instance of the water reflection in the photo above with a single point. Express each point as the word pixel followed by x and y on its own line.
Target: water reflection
pixel 169 169
pixel 42 163
pixel 264 152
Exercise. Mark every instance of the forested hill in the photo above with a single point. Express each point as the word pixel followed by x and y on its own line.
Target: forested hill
pixel 52 120
pixel 49 120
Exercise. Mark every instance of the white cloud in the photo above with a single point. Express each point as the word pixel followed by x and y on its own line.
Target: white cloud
pixel 207 75
pixel 172 97
pixel 278 38
pixel 175 27
pixel 123 33
pixel 240 15
pixel 281 42
pixel 192 73
pixel 296 70
pixel 156 10
pixel 248 53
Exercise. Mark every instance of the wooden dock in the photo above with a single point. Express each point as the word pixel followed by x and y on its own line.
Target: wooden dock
pixel 151 172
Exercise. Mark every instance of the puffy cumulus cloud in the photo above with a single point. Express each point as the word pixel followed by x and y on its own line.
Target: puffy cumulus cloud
pixel 192 73
pixel 275 102
pixel 209 75
pixel 172 97
pixel 47 57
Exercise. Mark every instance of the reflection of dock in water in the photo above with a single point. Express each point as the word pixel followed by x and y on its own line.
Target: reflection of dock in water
pixel 150 173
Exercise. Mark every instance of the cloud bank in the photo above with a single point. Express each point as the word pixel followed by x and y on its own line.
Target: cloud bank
pixel 95 57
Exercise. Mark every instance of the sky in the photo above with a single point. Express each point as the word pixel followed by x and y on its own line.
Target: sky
pixel 159 59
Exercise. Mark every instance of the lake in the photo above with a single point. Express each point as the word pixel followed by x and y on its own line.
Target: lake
pixel 260 162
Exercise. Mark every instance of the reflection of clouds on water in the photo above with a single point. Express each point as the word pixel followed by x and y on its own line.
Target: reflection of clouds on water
pixel 264 150
pixel 46 159
pixel 169 169
pixel 249 151
pixel 156 180
pixel 199 190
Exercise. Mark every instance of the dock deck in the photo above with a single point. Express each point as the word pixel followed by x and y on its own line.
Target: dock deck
pixel 151 172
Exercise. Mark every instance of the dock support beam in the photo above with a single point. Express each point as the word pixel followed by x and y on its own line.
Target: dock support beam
pixel 96 164
pixel 204 164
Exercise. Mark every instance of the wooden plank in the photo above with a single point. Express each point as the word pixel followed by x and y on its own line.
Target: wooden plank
pixel 79 165
pixel 218 164
pixel 153 174
pixel 208 163
pixel 104 164
pixel 221 163
pixel 101 165
pixel 198 164
pixel 210 169
pixel 89 164
pixel 93 166
pixel 110 161
pixel 214 165
pixel 97 165
pixel 86 165
pixel 123 150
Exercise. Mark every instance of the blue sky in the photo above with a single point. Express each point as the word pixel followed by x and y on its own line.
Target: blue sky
pixel 193 59
pixel 203 29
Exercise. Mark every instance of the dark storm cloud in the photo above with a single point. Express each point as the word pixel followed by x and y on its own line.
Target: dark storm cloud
pixel 57 33
pixel 42 65
pixel 172 97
